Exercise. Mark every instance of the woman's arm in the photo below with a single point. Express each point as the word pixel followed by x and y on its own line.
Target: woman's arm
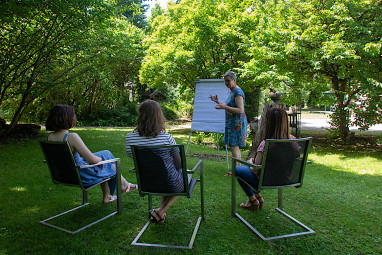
pixel 177 161
pixel 239 103
pixel 259 158
pixel 76 142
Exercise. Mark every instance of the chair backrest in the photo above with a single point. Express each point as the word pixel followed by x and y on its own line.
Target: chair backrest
pixel 152 164
pixel 61 163
pixel 284 162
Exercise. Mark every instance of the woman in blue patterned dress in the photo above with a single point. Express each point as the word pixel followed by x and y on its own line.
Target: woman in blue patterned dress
pixel 62 118
pixel 235 134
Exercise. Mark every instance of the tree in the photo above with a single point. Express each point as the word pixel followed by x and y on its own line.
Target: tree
pixel 197 40
pixel 134 11
pixel 301 44
pixel 193 39
pixel 75 52
pixel 37 39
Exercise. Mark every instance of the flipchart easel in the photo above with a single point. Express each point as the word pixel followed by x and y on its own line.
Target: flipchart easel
pixel 205 118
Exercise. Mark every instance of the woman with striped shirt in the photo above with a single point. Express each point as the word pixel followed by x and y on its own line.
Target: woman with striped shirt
pixel 150 131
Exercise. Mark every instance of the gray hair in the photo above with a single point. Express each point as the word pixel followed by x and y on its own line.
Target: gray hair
pixel 230 74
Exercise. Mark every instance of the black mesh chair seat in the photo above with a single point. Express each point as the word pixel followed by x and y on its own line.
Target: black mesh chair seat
pixel 64 170
pixel 157 175
pixel 283 166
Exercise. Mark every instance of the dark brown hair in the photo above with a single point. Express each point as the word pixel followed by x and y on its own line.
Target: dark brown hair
pixel 150 120
pixel 60 117
pixel 276 124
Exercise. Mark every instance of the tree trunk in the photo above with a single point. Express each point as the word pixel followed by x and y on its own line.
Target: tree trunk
pixel 259 136
pixel 340 118
pixel 252 112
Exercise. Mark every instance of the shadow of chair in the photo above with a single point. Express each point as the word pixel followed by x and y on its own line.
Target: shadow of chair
pixel 63 170
pixel 152 181
pixel 283 166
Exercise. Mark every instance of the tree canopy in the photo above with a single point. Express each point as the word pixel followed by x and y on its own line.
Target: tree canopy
pixel 68 51
pixel 303 44
pixel 98 53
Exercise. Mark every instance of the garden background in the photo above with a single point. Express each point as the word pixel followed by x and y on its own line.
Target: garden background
pixel 105 57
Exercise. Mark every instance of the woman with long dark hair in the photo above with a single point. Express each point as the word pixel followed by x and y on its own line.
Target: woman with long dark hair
pixel 276 127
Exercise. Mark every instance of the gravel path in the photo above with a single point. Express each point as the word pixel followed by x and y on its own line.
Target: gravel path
pixel 322 124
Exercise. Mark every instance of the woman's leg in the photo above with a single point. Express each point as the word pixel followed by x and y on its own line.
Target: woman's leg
pixel 235 153
pixel 165 203
pixel 245 173
pixel 125 185
pixel 107 198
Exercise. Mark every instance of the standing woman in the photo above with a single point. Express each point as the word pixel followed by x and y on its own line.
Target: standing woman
pixel 62 118
pixel 235 134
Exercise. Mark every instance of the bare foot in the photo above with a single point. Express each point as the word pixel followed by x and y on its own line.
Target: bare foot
pixel 109 199
pixel 130 187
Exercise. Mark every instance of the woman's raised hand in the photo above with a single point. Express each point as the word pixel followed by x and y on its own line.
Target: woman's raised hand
pixel 214 98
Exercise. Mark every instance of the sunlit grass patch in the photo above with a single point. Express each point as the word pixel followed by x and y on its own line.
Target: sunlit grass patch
pixel 18 189
pixel 357 164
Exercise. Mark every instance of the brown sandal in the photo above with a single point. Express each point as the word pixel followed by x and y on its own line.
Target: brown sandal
pixel 260 199
pixel 251 205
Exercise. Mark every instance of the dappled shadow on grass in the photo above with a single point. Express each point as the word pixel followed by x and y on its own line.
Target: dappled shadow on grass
pixel 356 143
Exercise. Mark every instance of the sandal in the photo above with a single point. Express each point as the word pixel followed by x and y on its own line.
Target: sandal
pixel 155 217
pixel 131 187
pixel 251 205
pixel 228 174
pixel 260 199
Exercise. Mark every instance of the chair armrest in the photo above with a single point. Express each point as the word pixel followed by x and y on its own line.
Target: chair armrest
pixel 247 163
pixel 195 167
pixel 101 163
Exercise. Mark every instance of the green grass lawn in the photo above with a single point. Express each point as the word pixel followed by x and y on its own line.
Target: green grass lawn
pixel 340 199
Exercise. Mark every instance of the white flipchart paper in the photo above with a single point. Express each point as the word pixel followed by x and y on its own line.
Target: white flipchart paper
pixel 205 117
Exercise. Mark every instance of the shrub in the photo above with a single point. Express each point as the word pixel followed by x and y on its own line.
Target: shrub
pixel 119 116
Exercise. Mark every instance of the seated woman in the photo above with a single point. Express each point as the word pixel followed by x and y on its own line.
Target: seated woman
pixel 62 118
pixel 276 127
pixel 150 131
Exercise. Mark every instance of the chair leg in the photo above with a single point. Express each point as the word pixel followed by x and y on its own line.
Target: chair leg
pixel 233 182
pixel 279 209
pixel 201 191
pixel 280 198
pixel 84 197
pixel 119 188
pixel 150 204
pixel 189 247
pixel 85 203
pixel 45 222
pixel 191 243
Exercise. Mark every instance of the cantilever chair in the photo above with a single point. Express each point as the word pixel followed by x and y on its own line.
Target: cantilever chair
pixel 283 166
pixel 64 170
pixel 152 181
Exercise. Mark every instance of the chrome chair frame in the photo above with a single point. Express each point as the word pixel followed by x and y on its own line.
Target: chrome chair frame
pixel 79 184
pixel 279 188
pixel 187 193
